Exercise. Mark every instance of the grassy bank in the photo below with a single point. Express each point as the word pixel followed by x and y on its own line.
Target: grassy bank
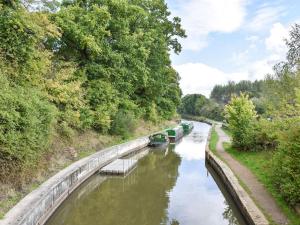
pixel 213 140
pixel 65 151
pixel 259 162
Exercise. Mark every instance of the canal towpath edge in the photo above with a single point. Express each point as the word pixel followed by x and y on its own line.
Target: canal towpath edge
pixel 257 190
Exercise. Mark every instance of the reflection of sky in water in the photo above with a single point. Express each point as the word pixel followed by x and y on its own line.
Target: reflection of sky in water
pixel 187 151
pixel 192 146
pixel 195 199
pixel 169 186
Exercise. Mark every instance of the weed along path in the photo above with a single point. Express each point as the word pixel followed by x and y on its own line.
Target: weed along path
pixel 257 191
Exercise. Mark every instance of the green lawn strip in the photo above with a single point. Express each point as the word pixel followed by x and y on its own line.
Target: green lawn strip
pixel 259 163
pixel 213 140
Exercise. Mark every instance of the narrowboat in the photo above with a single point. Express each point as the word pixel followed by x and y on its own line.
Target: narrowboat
pixel 175 134
pixel 158 139
pixel 187 127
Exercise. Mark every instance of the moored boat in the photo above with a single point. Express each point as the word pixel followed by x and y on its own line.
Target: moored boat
pixel 175 134
pixel 187 127
pixel 158 139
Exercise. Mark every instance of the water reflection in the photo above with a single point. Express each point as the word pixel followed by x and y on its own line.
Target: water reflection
pixel 169 186
pixel 229 215
pixel 140 198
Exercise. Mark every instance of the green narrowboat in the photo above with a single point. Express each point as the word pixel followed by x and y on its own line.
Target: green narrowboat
pixel 158 139
pixel 187 127
pixel 175 134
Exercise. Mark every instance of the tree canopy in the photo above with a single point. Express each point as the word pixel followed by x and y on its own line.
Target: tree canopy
pixel 84 63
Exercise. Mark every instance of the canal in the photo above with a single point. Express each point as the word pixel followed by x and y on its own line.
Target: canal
pixel 169 186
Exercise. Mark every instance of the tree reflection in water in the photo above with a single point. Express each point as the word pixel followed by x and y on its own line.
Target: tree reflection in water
pixel 229 216
pixel 140 198
pixel 174 222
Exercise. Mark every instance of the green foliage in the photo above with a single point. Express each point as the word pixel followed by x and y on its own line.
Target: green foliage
pixel 280 92
pixel 124 124
pixel 191 104
pixel 286 164
pixel 199 105
pixel 277 129
pixel 212 110
pixel 223 93
pixel 265 135
pixel 260 164
pixel 151 113
pixel 96 64
pixel 213 140
pixel 125 45
pixel 25 130
pixel 240 115
pixel 22 44
pixel 64 91
pixel 293 44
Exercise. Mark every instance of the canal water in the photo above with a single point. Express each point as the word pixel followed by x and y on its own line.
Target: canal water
pixel 170 186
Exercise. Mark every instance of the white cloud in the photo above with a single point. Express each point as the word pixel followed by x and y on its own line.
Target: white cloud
pixel 201 17
pixel 264 16
pixel 252 38
pixel 239 58
pixel 201 78
pixel 275 42
pixel 257 70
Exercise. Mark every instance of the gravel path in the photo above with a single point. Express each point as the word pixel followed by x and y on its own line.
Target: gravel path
pixel 257 191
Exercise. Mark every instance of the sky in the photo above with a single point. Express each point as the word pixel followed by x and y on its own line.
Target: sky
pixel 230 40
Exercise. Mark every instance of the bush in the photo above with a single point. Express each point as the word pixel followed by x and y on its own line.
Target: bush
pixel 286 164
pixel 264 135
pixel 26 122
pixel 151 113
pixel 212 110
pixel 240 115
pixel 103 100
pixel 123 124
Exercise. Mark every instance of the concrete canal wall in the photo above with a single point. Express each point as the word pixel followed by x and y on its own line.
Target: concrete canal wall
pixel 40 204
pixel 246 205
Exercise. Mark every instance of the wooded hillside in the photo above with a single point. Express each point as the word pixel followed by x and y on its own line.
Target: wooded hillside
pixel 79 65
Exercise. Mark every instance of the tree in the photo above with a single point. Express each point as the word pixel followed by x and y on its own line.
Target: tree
pixel 199 105
pixel 126 45
pixel 293 44
pixel 82 64
pixel 222 93
pixel 280 91
pixel 192 103
pixel 286 164
pixel 240 113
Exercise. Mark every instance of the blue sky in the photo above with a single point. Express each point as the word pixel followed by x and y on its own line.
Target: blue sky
pixel 231 39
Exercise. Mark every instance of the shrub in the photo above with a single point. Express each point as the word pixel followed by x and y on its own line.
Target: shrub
pixel 264 135
pixel 103 100
pixel 151 113
pixel 240 115
pixel 286 164
pixel 123 124
pixel 26 122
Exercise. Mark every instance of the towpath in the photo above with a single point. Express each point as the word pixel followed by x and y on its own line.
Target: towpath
pixel 257 191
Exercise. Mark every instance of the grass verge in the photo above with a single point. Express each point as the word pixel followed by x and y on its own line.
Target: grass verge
pixel 213 140
pixel 259 162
